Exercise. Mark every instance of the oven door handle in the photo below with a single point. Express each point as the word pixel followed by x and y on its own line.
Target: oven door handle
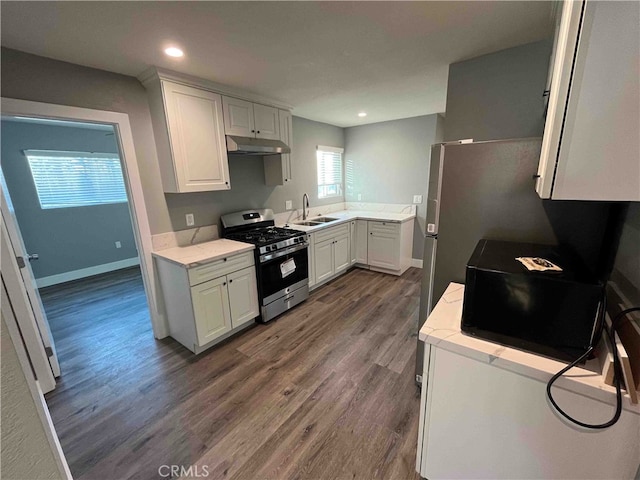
pixel 281 253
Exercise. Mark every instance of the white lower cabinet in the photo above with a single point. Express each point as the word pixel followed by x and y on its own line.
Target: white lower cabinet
pixel 341 250
pixel 331 253
pixel 211 309
pixel 383 246
pixel 323 253
pixel 361 242
pixel 206 304
pixel 509 430
pixel 243 296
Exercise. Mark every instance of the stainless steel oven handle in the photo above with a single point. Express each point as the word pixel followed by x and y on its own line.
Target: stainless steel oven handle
pixel 281 253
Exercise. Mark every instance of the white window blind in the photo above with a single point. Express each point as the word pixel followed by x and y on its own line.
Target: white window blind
pixel 329 171
pixel 76 179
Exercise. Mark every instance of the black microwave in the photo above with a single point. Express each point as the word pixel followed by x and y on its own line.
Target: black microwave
pixel 553 310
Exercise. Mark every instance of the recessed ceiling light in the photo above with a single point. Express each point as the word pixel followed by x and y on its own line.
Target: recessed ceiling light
pixel 362 114
pixel 174 52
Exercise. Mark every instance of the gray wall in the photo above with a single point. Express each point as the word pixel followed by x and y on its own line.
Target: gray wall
pixel 388 162
pixel 248 189
pixel 499 95
pixel 66 239
pixel 30 77
pixel 626 271
pixel 26 452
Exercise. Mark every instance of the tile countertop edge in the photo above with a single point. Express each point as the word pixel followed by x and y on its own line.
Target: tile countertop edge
pixel 202 253
pixel 442 329
pixel 349 215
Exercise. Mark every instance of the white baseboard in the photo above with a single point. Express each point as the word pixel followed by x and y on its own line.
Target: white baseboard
pixel 86 272
pixel 416 262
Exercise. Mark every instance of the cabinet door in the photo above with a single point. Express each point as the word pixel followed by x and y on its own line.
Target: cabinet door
pixel 243 296
pixel 384 245
pixel 362 242
pixel 196 133
pixel 312 262
pixel 238 117
pixel 341 257
pixel 352 247
pixel 286 135
pixel 211 309
pixel 266 121
pixel 323 254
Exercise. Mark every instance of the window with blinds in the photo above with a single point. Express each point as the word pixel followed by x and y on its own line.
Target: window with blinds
pixel 329 171
pixel 76 179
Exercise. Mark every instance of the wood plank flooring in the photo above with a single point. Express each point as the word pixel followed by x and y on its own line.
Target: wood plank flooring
pixel 325 391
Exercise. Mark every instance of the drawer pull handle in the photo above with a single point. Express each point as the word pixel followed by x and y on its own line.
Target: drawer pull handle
pixel 225 260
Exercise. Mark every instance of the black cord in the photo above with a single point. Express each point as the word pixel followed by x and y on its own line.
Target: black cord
pixel 617 373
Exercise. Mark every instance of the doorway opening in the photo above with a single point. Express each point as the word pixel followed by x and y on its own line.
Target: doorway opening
pixel 64 183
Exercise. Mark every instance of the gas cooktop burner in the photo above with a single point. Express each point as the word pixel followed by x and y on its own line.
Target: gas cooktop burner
pixel 264 236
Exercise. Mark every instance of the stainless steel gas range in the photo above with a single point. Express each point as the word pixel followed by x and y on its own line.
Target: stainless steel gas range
pixel 282 266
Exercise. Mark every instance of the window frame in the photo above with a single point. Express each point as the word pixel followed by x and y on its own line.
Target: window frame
pixel 339 186
pixel 47 204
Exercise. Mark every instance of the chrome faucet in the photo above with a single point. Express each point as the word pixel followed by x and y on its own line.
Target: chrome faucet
pixel 305 205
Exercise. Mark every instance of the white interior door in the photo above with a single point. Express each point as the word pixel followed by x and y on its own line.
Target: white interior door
pixel 17 249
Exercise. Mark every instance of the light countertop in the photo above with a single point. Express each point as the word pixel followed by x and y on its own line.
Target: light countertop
pixel 442 329
pixel 348 215
pixel 201 253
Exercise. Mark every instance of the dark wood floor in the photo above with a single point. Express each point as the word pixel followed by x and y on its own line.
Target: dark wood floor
pixel 325 391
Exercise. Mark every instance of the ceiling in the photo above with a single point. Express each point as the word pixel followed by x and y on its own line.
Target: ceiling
pixel 329 60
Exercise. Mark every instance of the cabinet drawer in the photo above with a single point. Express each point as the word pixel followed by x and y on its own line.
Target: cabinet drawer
pixel 220 267
pixel 384 228
pixel 332 232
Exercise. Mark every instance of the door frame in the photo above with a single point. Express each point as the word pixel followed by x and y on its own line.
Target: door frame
pixel 137 206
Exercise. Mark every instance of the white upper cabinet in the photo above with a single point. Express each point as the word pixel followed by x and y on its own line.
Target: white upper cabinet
pixel 238 117
pixel 277 168
pixel 591 143
pixel 266 122
pixel 189 132
pixel 246 119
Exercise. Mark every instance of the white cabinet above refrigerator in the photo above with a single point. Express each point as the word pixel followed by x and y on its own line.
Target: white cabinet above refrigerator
pixel 591 145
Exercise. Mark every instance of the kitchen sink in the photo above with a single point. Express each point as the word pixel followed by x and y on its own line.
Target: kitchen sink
pixel 324 220
pixel 308 224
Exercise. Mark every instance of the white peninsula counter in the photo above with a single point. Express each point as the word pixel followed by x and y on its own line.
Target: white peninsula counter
pixel 484 411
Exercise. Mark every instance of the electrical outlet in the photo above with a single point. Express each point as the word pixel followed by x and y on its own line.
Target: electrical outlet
pixel 288 205
pixel 417 199
pixel 118 244
pixel 190 220
pixel 359 196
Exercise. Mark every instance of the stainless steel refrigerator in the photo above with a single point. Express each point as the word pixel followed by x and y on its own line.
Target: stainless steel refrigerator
pixel 486 190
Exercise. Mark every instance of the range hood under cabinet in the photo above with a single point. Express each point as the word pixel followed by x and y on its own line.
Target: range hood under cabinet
pixel 197 125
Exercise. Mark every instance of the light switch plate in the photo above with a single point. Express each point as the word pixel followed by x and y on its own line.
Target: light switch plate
pixel 118 244
pixel 359 196
pixel 417 199
pixel 288 205
pixel 190 220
